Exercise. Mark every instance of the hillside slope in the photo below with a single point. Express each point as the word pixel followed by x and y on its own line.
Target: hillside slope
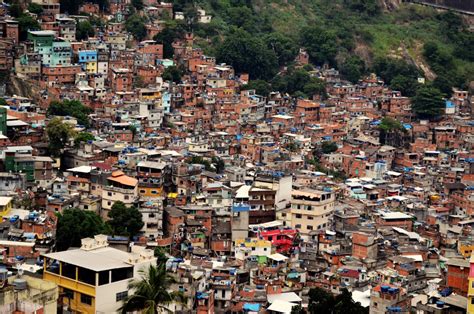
pixel 368 29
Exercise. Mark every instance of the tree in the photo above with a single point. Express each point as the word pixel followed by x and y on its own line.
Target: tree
pixel 328 147
pixel 405 84
pixel 58 135
pixel 321 301
pixel 353 68
pixel 284 47
pixel 126 221
pixel 444 84
pixel 247 54
pixel 83 137
pixel 75 224
pixel 172 73
pixel 297 309
pixel 321 44
pixel 72 108
pixel 389 68
pixel 160 255
pixel 345 304
pixel 391 132
pixel 136 26
pixel 428 102
pixel 369 7
pixel 152 292
pixel 138 4
pixel 172 31
pixel 218 164
pixel 15 10
pixel 35 8
pixel 315 86
pixel 26 23
pixel 84 30
pixel 201 161
pixel 261 87
pixel 133 128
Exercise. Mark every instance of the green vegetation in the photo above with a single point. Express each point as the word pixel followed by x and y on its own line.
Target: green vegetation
pixel 125 221
pixel 173 74
pixel 83 137
pixel 261 87
pixel 215 165
pixel 152 293
pixel 25 23
pixel 172 31
pixel 390 124
pixel 137 4
pixel 75 224
pixel 391 132
pixel 298 81
pixel 35 8
pixel 84 30
pixel 247 54
pixel 320 300
pixel 428 102
pixel 58 135
pixel 328 147
pixel 357 37
pixel 135 25
pixel 160 254
pixel 72 108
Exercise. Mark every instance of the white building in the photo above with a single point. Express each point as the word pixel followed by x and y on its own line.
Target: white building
pixel 95 278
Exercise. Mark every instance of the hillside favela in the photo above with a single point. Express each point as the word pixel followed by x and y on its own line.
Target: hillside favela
pixel 237 156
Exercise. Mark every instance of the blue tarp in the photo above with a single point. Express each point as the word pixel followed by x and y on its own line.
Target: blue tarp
pixel 293 275
pixel 253 307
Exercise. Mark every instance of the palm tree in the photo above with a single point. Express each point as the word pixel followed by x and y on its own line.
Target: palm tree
pixel 152 292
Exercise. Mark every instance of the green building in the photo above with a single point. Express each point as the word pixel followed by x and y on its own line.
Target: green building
pixel 21 164
pixel 53 51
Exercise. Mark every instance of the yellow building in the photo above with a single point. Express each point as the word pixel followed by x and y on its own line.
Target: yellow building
pixel 253 247
pixel 94 278
pixel 5 205
pixel 91 67
pixel 465 248
pixel 150 94
pixel 470 292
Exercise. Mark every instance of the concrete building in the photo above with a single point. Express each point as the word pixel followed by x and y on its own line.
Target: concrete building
pixel 121 188
pixel 94 278
pixel 311 210
pixel 27 294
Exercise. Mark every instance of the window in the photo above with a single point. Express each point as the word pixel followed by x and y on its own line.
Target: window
pixel 109 193
pixel 298 216
pixel 68 293
pixel 142 191
pixel 121 296
pixel 298 226
pixel 86 299
pixel 309 227
pixel 310 217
